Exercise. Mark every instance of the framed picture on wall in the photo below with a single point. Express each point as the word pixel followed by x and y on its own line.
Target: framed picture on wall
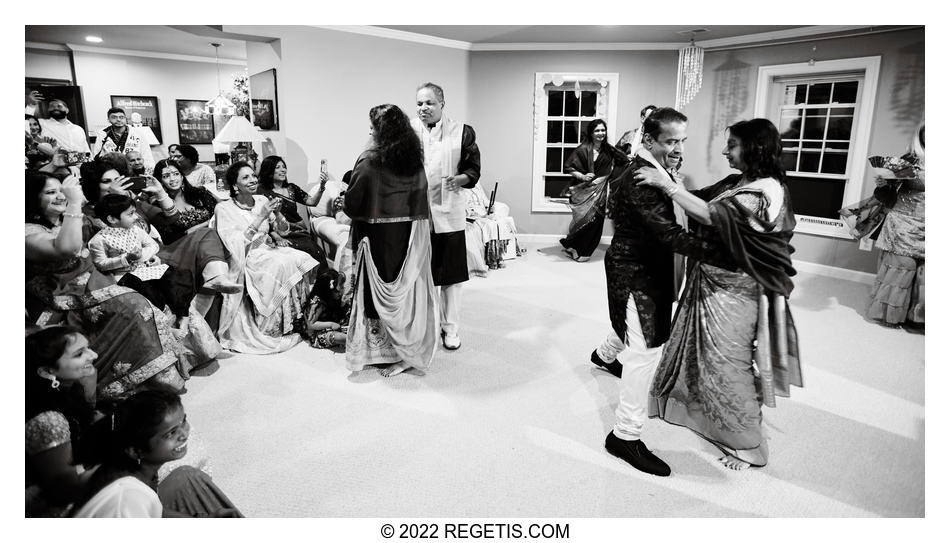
pixel 264 114
pixel 140 110
pixel 263 94
pixel 194 125
pixel 60 89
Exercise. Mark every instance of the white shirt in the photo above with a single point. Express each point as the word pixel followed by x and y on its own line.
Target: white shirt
pixel 69 136
pixel 126 497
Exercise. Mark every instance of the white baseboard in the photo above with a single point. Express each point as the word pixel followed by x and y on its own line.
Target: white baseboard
pixel 832 271
pixel 800 265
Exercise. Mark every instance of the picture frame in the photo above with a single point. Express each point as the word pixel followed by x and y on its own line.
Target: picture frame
pixel 145 106
pixel 194 125
pixel 263 94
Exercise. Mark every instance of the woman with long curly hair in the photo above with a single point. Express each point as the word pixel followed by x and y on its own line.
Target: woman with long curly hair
pixel 394 322
pixel 726 321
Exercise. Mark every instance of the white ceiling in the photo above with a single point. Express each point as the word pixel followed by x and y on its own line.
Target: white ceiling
pixel 195 40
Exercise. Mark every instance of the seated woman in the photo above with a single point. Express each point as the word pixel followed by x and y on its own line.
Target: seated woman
pixel 197 174
pixel 733 344
pixel 106 175
pixel 39 148
pixel 277 279
pixel 133 338
pixel 331 224
pixel 274 184
pixel 60 409
pixel 148 430
pixel 489 237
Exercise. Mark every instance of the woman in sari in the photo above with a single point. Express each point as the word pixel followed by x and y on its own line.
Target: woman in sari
pixel 592 164
pixel 277 278
pixel 274 183
pixel 734 345
pixel 394 320
pixel 133 338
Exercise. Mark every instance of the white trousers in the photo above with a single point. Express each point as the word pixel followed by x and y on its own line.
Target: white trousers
pixel 450 307
pixel 639 365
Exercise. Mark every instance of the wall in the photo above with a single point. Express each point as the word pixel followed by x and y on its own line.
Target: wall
pixel 502 91
pixel 328 80
pixel 48 64
pixel 102 75
pixel 728 95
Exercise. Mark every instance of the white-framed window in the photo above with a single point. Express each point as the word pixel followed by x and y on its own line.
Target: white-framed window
pixel 823 112
pixel 564 104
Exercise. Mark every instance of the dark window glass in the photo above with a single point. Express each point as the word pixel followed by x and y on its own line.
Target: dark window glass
pixel 846 93
pixel 816 197
pixel 588 103
pixel 571 104
pixel 839 128
pixel 571 135
pixel 845 111
pixel 584 127
pixel 790 144
pixel 791 124
pixel 834 163
pixel 790 160
pixel 800 91
pixel 812 145
pixel 809 162
pixel 554 185
pixel 820 93
pixel 844 145
pixel 553 161
pixel 555 103
pixel 554 131
pixel 815 125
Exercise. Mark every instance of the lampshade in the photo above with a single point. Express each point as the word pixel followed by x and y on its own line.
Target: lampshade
pixel 239 129
pixel 219 105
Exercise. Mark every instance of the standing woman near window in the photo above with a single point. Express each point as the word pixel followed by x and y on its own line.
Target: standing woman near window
pixel 592 163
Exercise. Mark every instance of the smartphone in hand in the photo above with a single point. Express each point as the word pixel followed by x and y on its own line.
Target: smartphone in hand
pixel 138 183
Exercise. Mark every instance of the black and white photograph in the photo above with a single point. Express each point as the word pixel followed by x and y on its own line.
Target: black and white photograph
pixel 542 276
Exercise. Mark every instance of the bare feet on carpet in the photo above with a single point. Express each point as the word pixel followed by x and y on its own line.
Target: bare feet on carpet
pixel 394 369
pixel 733 463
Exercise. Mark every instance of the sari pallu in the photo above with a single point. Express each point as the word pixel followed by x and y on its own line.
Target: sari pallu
pixel 588 200
pixel 131 336
pixel 734 345
pixel 408 324
pixel 276 280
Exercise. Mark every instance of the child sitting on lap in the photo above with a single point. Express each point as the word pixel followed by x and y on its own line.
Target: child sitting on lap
pixel 125 251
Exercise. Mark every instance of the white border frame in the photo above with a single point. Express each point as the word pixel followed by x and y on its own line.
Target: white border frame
pixel 538 201
pixel 855 183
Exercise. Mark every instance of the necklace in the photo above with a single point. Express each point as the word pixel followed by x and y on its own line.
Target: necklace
pixel 243 206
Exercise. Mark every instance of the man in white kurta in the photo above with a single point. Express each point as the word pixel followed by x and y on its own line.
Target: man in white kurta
pixel 69 136
pixel 452 162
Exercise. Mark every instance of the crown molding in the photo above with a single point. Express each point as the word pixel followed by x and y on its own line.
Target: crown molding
pixel 398 35
pixel 46 46
pixel 580 46
pixel 777 35
pixel 152 54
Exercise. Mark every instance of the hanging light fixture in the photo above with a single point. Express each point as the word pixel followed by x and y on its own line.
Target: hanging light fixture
pixel 689 76
pixel 219 105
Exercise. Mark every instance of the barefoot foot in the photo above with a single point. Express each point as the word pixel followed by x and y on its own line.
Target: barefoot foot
pixel 394 369
pixel 733 463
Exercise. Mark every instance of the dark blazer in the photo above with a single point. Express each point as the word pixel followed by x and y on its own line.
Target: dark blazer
pixel 640 258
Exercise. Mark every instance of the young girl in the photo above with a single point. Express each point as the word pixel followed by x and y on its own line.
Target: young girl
pixel 149 429
pixel 127 252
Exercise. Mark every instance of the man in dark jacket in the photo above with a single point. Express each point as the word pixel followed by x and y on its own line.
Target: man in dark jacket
pixel 643 278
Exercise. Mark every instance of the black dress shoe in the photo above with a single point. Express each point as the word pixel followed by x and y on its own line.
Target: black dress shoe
pixel 637 455
pixel 615 368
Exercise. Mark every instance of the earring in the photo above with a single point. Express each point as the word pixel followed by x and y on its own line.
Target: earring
pixel 54 382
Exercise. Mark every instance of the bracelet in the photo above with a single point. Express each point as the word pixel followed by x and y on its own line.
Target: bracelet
pixel 74 215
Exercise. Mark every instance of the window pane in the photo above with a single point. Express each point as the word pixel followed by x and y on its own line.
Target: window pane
pixel 553 161
pixel 571 132
pixel 554 131
pixel 837 145
pixel 790 160
pixel 815 124
pixel 820 93
pixel 571 104
pixel 584 127
pixel 834 163
pixel 791 144
pixel 812 145
pixel 800 93
pixel 843 111
pixel 839 128
pixel 555 103
pixel 816 197
pixel 809 162
pixel 791 124
pixel 588 103
pixel 554 185
pixel 846 93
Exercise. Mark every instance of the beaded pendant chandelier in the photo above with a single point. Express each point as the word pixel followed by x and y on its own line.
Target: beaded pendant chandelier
pixel 689 75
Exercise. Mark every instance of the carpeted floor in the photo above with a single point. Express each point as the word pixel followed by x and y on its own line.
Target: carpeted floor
pixel 513 423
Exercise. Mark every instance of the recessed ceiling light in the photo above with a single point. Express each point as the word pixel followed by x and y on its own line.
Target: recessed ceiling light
pixel 94 39
pixel 693 31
